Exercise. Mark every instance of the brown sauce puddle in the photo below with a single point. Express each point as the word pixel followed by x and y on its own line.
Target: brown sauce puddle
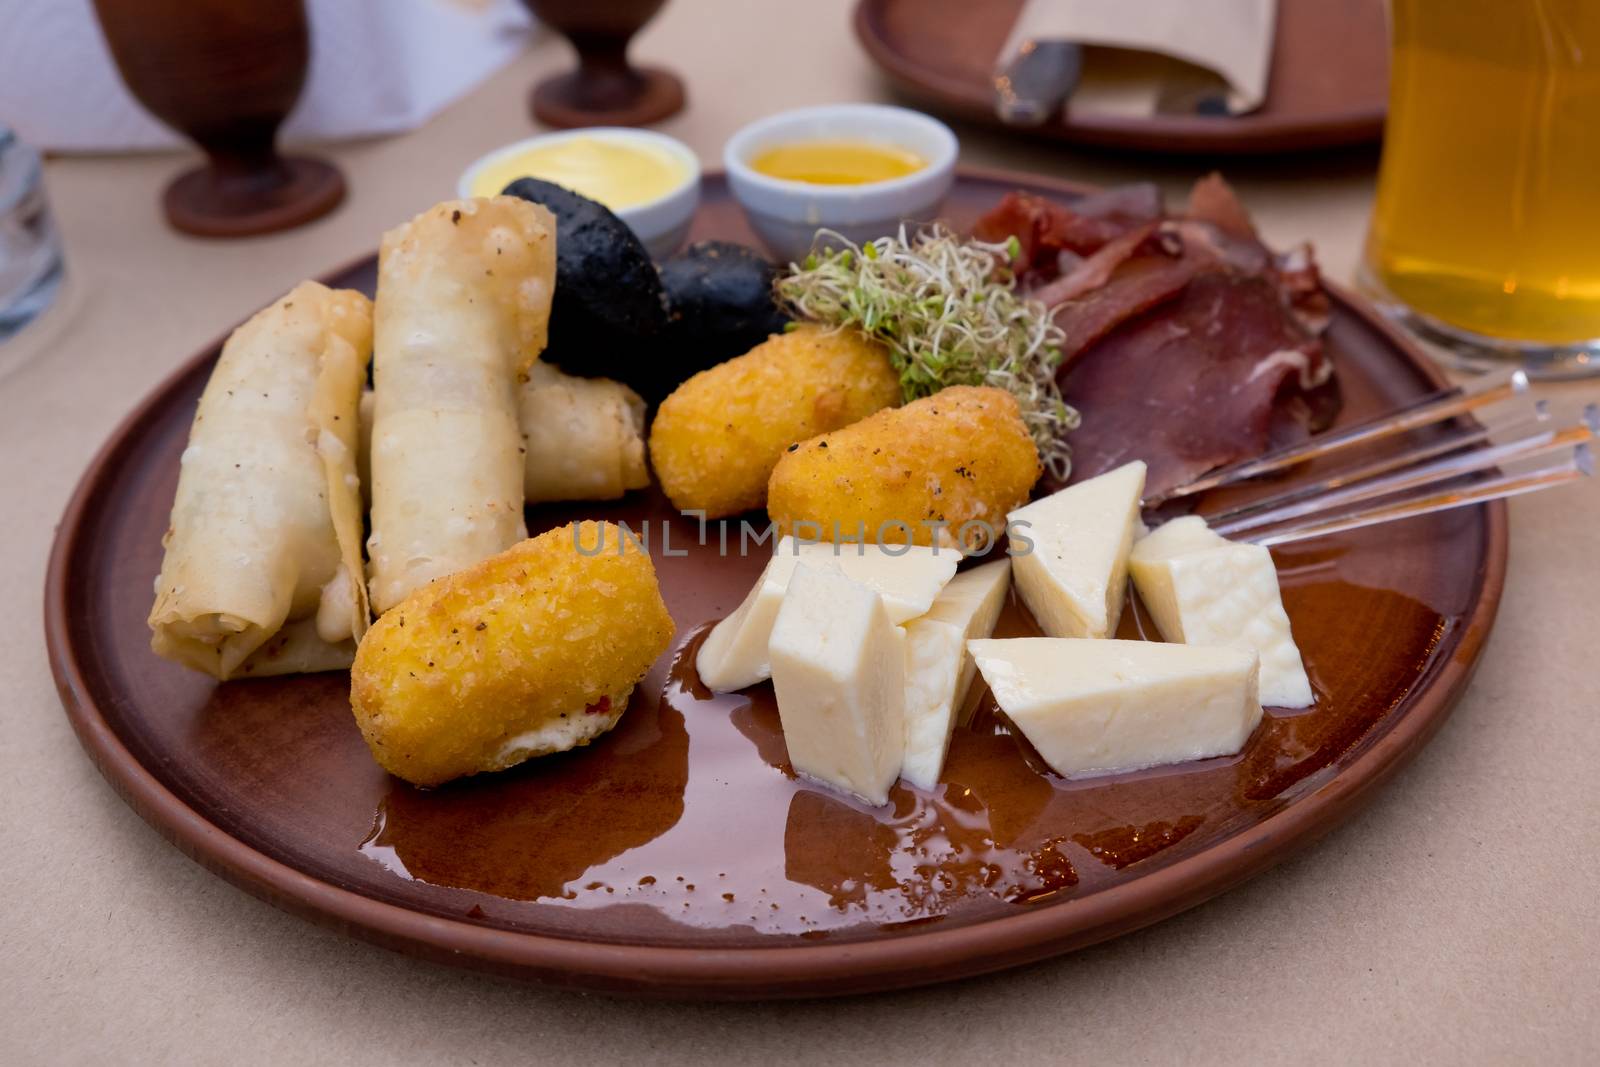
pixel 689 808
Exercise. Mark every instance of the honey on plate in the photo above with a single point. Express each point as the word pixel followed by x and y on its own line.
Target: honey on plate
pixel 1488 209
pixel 837 162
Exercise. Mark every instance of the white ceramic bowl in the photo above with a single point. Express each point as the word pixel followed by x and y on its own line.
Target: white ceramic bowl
pixel 787 214
pixel 661 223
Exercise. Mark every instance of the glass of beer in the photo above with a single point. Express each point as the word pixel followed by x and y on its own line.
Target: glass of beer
pixel 1486 234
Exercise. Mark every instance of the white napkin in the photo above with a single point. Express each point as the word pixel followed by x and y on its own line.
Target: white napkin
pixel 1150 56
pixel 377 66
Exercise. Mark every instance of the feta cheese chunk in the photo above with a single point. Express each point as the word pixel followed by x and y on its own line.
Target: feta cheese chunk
pixel 1074 579
pixel 838 669
pixel 908 577
pixel 1099 707
pixel 938 667
pixel 1203 589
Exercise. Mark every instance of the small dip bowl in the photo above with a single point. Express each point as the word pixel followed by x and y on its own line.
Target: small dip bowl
pixel 661 223
pixel 787 214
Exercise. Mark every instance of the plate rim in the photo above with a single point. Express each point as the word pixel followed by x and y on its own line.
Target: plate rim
pixel 919 957
pixel 1160 134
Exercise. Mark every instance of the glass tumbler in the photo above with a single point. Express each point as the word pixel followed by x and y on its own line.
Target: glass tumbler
pixel 1485 238
pixel 31 263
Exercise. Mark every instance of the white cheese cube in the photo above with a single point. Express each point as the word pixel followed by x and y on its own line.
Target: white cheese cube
pixel 1203 589
pixel 1074 578
pixel 1099 707
pixel 734 653
pixel 838 669
pixel 909 577
pixel 939 669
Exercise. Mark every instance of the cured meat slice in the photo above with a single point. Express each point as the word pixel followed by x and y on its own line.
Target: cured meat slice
pixel 1136 286
pixel 1301 284
pixel 1188 342
pixel 1094 270
pixel 1045 229
pixel 1213 201
pixel 1193 383
pixel 1133 203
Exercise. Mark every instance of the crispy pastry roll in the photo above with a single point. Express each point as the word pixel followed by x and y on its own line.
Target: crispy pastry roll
pixel 584 436
pixel 463 309
pixel 262 573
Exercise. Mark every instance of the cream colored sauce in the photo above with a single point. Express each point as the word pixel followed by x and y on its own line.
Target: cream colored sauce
pixel 619 174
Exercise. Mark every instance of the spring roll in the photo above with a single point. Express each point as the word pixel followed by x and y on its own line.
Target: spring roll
pixel 262 572
pixel 364 454
pixel 463 310
pixel 584 437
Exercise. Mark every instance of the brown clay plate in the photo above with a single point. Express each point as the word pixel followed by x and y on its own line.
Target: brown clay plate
pixel 677 856
pixel 1328 85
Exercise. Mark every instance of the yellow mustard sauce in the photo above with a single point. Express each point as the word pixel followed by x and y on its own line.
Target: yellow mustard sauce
pixel 837 162
pixel 618 174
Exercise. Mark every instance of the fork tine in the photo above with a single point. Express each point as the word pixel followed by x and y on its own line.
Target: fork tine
pixel 1578 463
pixel 1423 476
pixel 1435 408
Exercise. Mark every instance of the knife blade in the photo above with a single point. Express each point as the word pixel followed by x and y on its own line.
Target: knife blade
pixel 1030 89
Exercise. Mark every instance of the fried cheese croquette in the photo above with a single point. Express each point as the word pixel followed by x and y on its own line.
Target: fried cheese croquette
pixel 533 651
pixel 943 470
pixel 718 436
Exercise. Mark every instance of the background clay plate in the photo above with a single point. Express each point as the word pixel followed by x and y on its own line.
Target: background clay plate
pixel 677 856
pixel 1328 85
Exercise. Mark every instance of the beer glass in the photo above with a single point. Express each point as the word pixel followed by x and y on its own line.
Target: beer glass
pixel 1485 238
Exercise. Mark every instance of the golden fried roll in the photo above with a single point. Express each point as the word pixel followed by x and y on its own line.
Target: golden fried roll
pixel 717 437
pixel 532 651
pixel 584 437
pixel 943 470
pixel 262 571
pixel 462 311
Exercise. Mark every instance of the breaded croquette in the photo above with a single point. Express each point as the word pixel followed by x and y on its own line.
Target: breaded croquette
pixel 532 651
pixel 918 474
pixel 718 436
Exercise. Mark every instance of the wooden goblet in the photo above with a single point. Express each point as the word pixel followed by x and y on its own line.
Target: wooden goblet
pixel 605 90
pixel 225 73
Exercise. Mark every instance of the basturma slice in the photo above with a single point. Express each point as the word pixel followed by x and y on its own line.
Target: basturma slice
pixel 1188 343
pixel 1192 385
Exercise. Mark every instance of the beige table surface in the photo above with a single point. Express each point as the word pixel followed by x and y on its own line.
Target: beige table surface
pixel 1456 919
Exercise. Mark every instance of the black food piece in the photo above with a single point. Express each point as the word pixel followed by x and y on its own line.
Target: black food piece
pixel 719 296
pixel 609 312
